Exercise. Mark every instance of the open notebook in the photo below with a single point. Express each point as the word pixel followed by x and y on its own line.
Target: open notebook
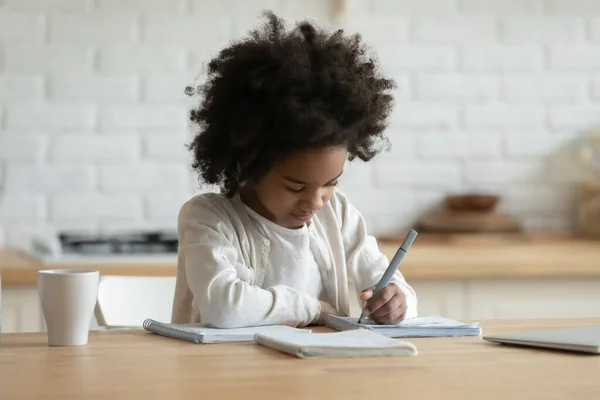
pixel 415 327
pixel 197 333
pixel 357 343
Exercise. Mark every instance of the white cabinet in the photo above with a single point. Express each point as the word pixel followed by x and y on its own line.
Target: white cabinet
pixel 534 299
pixel 510 299
pixel 445 298
pixel 21 310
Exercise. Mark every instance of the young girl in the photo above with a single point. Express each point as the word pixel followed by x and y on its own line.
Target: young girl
pixel 281 113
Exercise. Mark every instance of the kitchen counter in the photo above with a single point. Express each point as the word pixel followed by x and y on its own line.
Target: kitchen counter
pixel 20 269
pixel 497 258
pixel 430 258
pixel 460 277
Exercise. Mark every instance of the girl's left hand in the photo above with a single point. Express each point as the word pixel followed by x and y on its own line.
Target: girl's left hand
pixel 388 307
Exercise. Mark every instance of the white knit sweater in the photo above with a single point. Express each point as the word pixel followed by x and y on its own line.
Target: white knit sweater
pixel 223 258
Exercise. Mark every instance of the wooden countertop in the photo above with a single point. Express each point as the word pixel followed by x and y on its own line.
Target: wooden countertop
pixel 536 257
pixel 430 258
pixel 19 269
pixel 134 364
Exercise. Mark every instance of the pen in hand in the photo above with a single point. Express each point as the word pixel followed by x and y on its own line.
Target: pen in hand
pixel 393 267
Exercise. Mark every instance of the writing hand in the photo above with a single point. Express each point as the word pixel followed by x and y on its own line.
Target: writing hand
pixel 388 307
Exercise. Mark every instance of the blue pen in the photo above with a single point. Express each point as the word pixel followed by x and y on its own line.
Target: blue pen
pixel 393 267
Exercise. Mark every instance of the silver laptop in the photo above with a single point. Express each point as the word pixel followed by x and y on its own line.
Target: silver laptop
pixel 585 339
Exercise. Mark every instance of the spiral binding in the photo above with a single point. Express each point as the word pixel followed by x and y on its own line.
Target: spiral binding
pixel 173 331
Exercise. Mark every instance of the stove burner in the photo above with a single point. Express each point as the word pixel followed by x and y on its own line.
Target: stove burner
pixel 154 242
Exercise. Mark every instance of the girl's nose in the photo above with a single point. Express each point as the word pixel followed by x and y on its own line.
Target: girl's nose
pixel 313 202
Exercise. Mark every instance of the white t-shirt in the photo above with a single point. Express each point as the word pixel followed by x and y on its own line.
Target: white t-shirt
pixel 291 261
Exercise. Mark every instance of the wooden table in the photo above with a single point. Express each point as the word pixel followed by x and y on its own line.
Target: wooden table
pixel 137 365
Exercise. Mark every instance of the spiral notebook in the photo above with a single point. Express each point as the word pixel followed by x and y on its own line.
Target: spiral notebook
pixel 356 343
pixel 197 333
pixel 433 326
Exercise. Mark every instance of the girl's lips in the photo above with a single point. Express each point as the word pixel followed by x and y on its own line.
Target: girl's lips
pixel 303 217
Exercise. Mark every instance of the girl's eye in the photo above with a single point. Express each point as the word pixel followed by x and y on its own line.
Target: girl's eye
pixel 295 189
pixel 332 183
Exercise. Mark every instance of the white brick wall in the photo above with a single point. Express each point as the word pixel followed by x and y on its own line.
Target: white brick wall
pixel 19 147
pixel 93 118
pixel 502 58
pixel 506 116
pixel 17 28
pixel 510 172
pixel 576 58
pixel 166 88
pixel 446 145
pixel 445 174
pixel 89 88
pixel 177 29
pixel 46 179
pixel 141 59
pixel 551 89
pixel 425 115
pixel 21 88
pixel 412 7
pixel 96 206
pixel 501 7
pixel 417 58
pixel 22 58
pixel 573 117
pixel 456 30
pixel 143 178
pixel 542 29
pixel 19 208
pixel 529 144
pixel 456 87
pixel 44 116
pixel 79 148
pixel 142 116
pixel 145 7
pixel 93 29
pixel 575 7
pixel 165 147
pixel 36 6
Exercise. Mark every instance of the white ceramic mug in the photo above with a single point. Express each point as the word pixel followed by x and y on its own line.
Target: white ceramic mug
pixel 68 299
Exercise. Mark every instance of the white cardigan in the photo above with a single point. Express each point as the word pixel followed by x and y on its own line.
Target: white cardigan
pixel 222 262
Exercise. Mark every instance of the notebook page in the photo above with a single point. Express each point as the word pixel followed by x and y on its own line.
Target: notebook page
pixel 245 331
pixel 435 322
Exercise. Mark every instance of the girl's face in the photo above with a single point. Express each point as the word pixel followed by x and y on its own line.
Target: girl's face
pixel 296 188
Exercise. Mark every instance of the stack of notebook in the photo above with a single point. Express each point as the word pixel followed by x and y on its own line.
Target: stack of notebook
pixel 414 327
pixel 366 339
pixel 301 343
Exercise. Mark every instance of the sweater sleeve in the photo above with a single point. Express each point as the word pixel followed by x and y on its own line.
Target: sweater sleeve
pixel 365 262
pixel 221 298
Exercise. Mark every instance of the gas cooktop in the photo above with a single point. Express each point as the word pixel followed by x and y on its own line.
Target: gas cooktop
pixel 153 242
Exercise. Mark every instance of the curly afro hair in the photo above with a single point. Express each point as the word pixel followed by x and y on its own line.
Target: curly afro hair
pixel 277 92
